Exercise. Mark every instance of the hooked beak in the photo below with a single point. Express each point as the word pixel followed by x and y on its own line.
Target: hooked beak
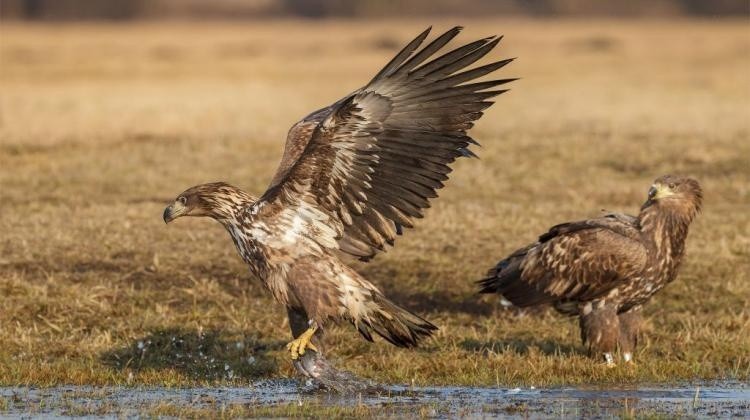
pixel 174 211
pixel 659 191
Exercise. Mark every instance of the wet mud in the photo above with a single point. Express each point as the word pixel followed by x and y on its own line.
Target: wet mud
pixel 720 399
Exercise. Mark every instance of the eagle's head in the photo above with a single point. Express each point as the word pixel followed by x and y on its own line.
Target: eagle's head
pixel 676 193
pixel 217 200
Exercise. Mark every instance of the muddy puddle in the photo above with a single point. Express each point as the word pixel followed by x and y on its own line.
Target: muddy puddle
pixel 726 399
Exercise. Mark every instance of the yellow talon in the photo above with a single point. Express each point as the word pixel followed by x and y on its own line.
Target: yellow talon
pixel 298 346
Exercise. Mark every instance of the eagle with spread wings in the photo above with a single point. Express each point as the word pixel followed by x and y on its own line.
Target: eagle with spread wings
pixel 352 176
pixel 604 269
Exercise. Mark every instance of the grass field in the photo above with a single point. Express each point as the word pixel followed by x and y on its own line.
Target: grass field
pixel 102 125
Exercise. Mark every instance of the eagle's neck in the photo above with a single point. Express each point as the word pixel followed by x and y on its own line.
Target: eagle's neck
pixel 241 229
pixel 665 227
pixel 233 211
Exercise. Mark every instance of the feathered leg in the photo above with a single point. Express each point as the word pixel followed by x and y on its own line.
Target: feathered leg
pixel 315 366
pixel 630 327
pixel 335 291
pixel 600 329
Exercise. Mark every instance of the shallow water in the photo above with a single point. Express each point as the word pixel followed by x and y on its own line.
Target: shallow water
pixel 707 399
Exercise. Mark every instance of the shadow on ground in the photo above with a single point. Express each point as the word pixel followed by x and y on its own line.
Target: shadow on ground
pixel 520 346
pixel 208 354
pixel 421 302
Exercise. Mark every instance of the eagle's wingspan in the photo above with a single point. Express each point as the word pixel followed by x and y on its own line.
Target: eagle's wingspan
pixel 371 162
pixel 572 261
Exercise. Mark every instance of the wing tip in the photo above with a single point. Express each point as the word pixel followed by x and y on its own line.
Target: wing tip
pixel 492 41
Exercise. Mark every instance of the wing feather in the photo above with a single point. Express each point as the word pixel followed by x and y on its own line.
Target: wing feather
pixel 370 163
pixel 575 261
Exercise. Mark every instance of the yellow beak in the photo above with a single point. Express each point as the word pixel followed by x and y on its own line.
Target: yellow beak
pixel 658 191
pixel 174 211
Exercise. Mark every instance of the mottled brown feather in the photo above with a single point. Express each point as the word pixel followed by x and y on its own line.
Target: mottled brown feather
pixel 373 160
pixel 351 177
pixel 599 268
pixel 572 261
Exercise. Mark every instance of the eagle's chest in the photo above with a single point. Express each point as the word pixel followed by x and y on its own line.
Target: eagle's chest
pixel 250 251
pixel 639 290
pixel 273 272
pixel 658 274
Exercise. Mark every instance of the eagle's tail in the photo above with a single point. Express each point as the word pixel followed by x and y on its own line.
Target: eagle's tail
pixel 394 323
pixel 501 276
pixel 505 279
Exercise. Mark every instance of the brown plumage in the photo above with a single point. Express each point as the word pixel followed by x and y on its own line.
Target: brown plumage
pixel 352 176
pixel 604 269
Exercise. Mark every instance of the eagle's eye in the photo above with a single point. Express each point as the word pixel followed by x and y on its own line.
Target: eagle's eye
pixel 182 199
pixel 671 185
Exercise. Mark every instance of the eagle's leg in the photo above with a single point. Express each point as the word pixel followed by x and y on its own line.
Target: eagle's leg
pixel 301 343
pixel 600 329
pixel 311 364
pixel 314 366
pixel 630 327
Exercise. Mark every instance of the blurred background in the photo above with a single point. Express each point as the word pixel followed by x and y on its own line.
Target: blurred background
pixel 250 9
pixel 109 109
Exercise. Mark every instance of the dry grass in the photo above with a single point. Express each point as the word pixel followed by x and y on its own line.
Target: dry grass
pixel 100 126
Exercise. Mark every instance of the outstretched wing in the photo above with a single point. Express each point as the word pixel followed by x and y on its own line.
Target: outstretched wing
pixel 373 160
pixel 297 139
pixel 572 261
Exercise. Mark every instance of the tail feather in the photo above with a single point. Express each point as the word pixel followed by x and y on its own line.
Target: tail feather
pixel 506 279
pixel 500 277
pixel 395 324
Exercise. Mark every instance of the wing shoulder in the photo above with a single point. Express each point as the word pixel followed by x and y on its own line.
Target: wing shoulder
pixel 299 137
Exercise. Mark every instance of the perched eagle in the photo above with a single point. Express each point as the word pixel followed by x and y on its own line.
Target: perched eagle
pixel 604 269
pixel 351 177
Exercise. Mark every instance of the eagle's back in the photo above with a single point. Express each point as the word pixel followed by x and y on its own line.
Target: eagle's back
pixel 576 261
